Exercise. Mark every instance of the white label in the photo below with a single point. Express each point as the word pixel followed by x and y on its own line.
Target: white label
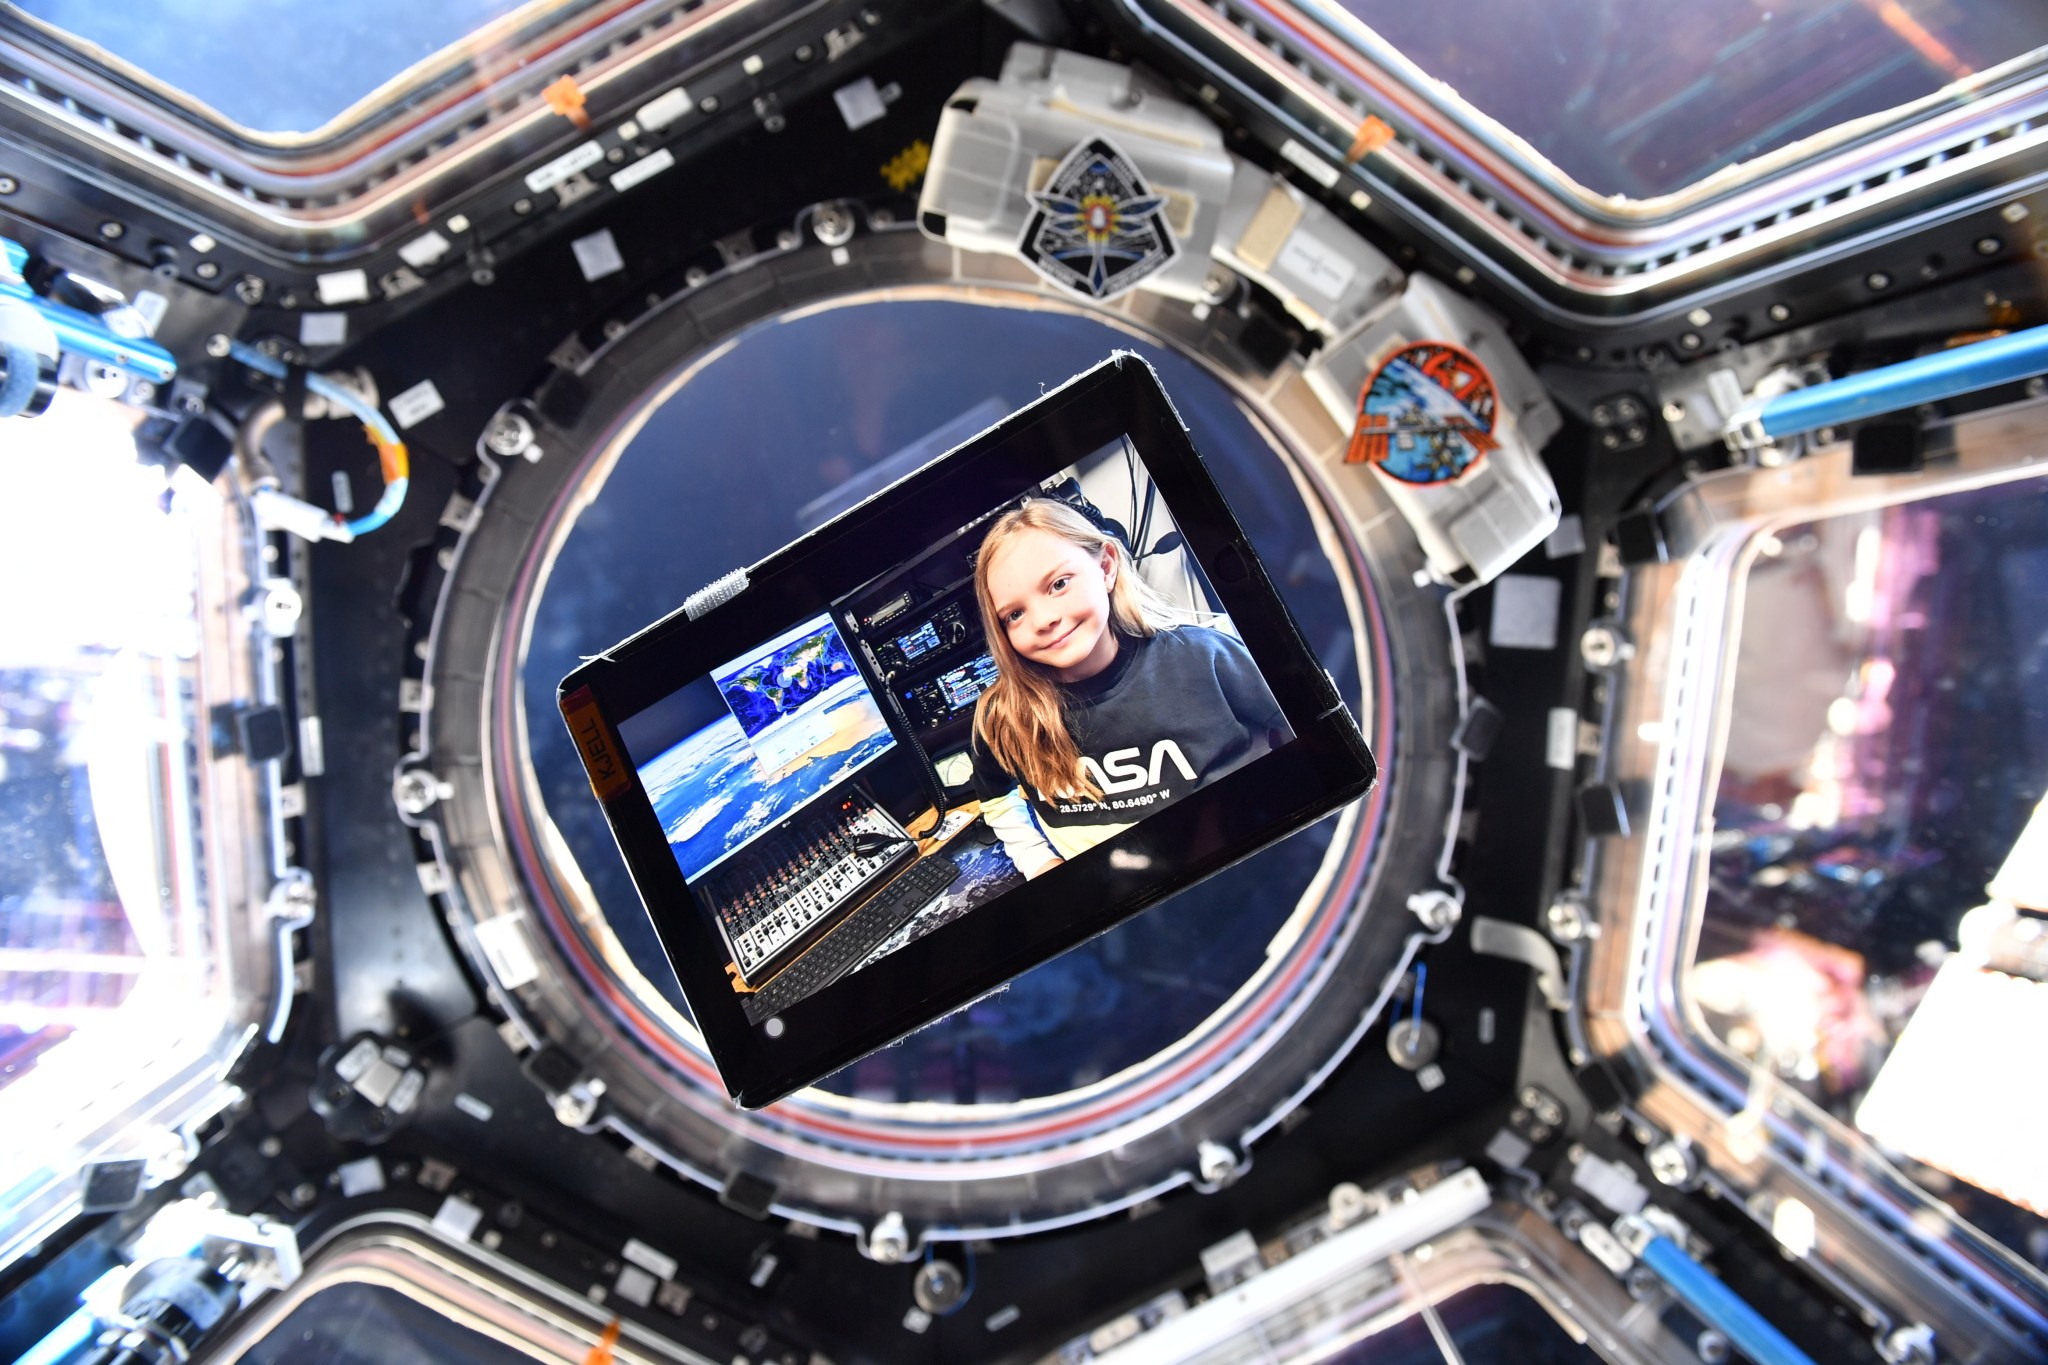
pixel 361 1176
pixel 416 404
pixel 1317 169
pixel 634 1285
pixel 564 166
pixel 647 1258
pixel 323 329
pixel 504 943
pixel 860 103
pixel 151 306
pixel 1561 739
pixel 644 169
pixel 663 109
pixel 458 1218
pixel 598 255
pixel 421 252
pixel 343 286
pixel 474 1107
pixel 1316 266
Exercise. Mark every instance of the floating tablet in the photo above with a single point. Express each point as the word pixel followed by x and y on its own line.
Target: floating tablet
pixel 1119 711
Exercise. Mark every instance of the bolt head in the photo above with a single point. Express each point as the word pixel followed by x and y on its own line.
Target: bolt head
pixel 112 230
pixel 1565 917
pixel 249 289
pixel 1778 312
pixel 1672 1163
pixel 218 345
pixel 8 184
pixel 1674 411
pixel 509 434
pixel 1216 1163
pixel 939 1286
pixel 1438 910
pixel 1989 246
pixel 1877 279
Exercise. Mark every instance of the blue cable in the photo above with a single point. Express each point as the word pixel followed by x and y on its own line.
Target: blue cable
pixel 1719 1306
pixel 1908 384
pixel 967 1290
pixel 1421 979
pixel 380 429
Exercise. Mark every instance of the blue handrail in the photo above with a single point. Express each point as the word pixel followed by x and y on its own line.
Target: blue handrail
pixel 1895 388
pixel 1719 1306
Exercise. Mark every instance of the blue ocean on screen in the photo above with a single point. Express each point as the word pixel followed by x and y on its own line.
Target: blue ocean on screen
pixel 774 686
pixel 713 793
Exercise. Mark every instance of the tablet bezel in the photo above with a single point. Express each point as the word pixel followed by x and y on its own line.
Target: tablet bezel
pixel 1326 765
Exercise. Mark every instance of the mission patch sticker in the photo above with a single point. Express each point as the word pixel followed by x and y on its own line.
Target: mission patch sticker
pixel 1096 228
pixel 1426 415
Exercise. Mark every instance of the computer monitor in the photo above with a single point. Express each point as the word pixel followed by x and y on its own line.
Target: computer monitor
pixel 755 741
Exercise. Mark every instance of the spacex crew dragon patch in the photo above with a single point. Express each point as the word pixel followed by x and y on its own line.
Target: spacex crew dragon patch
pixel 1097 228
pixel 1426 416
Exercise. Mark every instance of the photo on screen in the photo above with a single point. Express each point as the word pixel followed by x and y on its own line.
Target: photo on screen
pixel 1011 696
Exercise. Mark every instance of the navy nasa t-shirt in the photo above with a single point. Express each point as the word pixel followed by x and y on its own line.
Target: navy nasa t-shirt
pixel 1169 714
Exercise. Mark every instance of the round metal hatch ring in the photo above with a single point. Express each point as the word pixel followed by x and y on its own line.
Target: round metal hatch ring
pixel 835 1161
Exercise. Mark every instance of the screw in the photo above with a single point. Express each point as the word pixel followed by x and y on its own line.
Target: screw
pixel 709 104
pixel 509 434
pixel 8 184
pixel 1877 279
pixel 1989 246
pixel 1603 646
pixel 218 345
pixel 522 207
pixel 1713 1348
pixel 483 274
pixel 112 230
pixel 1566 919
pixel 207 270
pixel 1778 312
pixel 270 1146
pixel 303 1193
pixel 889 1243
pixel 805 53
pixel 615 155
pixel 1438 910
pixel 1674 411
pixel 249 289
pixel 833 224
pixel 1672 1163
pixel 1217 1163
pixel 1691 341
pixel 415 790
pixel 2036 387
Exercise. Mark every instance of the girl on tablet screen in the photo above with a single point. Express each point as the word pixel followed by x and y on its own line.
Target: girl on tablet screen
pixel 1104 711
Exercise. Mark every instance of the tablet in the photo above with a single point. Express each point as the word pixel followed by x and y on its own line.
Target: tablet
pixel 983 715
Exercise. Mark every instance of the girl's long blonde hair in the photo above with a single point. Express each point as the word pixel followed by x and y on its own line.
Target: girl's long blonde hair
pixel 1021 718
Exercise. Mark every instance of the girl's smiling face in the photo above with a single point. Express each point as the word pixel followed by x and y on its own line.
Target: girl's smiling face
pixel 1051 597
